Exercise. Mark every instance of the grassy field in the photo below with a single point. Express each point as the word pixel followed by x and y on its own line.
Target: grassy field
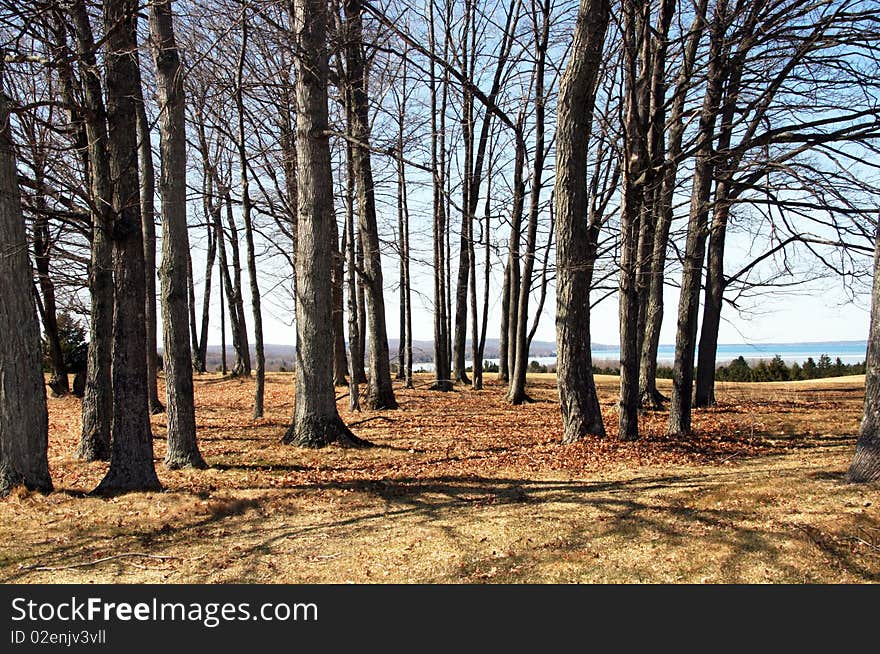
pixel 463 488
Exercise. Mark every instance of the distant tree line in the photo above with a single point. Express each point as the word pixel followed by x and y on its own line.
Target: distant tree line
pixel 775 370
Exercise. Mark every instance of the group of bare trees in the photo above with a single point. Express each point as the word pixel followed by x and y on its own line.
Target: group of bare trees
pixel 636 140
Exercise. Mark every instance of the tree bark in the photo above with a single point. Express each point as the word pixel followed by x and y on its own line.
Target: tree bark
pixel 504 328
pixel 183 449
pixel 355 299
pixel 340 361
pixel 517 392
pixel 97 405
pixel 695 246
pixel 58 381
pixel 316 422
pixel 24 420
pixel 576 239
pixel 242 366
pixel 148 225
pixel 256 311
pixel 131 458
pixel 442 370
pixel 649 396
pixel 514 276
pixel 380 394
pixel 865 465
pixel 634 169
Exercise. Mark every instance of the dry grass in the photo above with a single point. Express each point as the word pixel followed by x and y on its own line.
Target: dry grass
pixel 465 488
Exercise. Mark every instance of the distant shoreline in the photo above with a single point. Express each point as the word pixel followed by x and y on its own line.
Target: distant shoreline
pixel 280 356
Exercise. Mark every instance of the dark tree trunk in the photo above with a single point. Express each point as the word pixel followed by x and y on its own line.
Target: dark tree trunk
pixel 24 420
pixel 865 465
pixel 504 329
pixel 380 394
pixel 695 246
pixel 649 396
pixel 97 405
pixel 211 210
pixel 636 32
pixel 223 367
pixel 576 239
pixel 405 360
pixel 442 370
pixel 513 261
pixel 361 300
pixel 242 366
pixel 517 392
pixel 256 311
pixel 340 361
pixel 465 248
pixel 355 292
pixel 148 225
pixel 58 381
pixel 131 457
pixel 316 422
pixel 355 353
pixel 183 449
pixel 704 394
pixel 191 309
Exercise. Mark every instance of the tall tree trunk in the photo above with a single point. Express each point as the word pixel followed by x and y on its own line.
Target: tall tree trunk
pixel 355 300
pixel 355 344
pixel 210 208
pixel 380 394
pixel 340 361
pixel 649 396
pixel 576 239
pixel 223 367
pixel 131 457
pixel 442 371
pixel 256 311
pixel 704 392
pixel 465 248
pixel 191 310
pixel 148 225
pixel 726 167
pixel 517 392
pixel 201 354
pixel 242 366
pixel 487 267
pixel 58 381
pixel 24 420
pixel 405 360
pixel 316 422
pixel 504 329
pixel 183 449
pixel 513 261
pixel 97 405
pixel 865 465
pixel 695 246
pixel 634 167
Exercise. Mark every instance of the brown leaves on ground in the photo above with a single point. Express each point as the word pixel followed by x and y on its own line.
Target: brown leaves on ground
pixel 463 486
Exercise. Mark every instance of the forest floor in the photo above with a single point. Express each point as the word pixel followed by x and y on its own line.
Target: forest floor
pixel 464 488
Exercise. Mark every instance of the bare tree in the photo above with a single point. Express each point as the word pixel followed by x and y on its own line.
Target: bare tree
pixel 148 225
pixel 865 465
pixel 316 422
pixel 97 406
pixel 380 394
pixel 183 450
pixel 576 239
pixel 24 421
pixel 131 458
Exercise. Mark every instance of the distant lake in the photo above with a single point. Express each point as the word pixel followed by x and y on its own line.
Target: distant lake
pixel 847 351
